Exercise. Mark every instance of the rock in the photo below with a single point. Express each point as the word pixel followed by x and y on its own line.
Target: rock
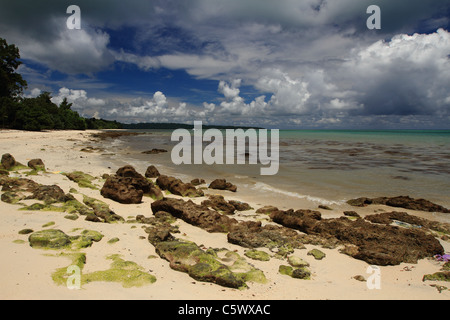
pixel 286 270
pixel 189 258
pixel 126 187
pixel 380 244
pixel 317 254
pixel 297 262
pixel 303 220
pixel 257 255
pixel 251 234
pixel 400 202
pixel 218 203
pixel 36 164
pixel 8 161
pixel 152 172
pixel 154 151
pixel 197 181
pixel 49 194
pixel 322 206
pixel 222 184
pixel 415 222
pixel 301 273
pixel 102 212
pixel 121 190
pixel 351 214
pixel 178 187
pixel 197 215
pixel 52 239
pixel 360 278
pixel 267 209
pixel 437 276
pixel 376 244
pixel 240 206
pixel 83 180
pixel 26 231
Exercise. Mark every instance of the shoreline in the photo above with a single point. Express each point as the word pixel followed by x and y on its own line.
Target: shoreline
pixel 27 275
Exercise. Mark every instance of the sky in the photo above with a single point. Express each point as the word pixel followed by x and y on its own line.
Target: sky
pixel 287 64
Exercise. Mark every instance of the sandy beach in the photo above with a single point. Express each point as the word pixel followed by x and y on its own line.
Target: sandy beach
pixel 26 272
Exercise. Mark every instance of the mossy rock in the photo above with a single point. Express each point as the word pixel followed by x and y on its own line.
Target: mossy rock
pixel 86 239
pixel 83 180
pixel 257 255
pixel 113 240
pixel 49 239
pixel 26 231
pixel 317 254
pixel 128 273
pixel 11 197
pixel 286 270
pixel 297 262
pixel 297 273
pixel 437 276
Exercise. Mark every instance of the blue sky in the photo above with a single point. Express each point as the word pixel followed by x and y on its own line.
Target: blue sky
pixel 278 64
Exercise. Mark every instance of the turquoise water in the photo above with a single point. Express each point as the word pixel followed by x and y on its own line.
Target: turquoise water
pixel 330 166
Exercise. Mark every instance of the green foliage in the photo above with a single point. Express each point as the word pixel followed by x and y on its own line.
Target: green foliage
pixel 11 83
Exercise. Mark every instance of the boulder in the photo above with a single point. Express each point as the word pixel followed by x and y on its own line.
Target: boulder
pixel 8 161
pixel 197 181
pixel 36 164
pixel 222 184
pixel 49 194
pixel 122 190
pixel 126 187
pixel 152 172
pixel 240 206
pixel 178 187
pixel 51 239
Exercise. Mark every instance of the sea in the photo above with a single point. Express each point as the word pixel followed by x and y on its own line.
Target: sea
pixel 325 167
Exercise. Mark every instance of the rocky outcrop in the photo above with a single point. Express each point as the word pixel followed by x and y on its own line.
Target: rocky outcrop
pixel 128 186
pixel 218 203
pixel 197 215
pixel 219 266
pixel 400 202
pixel 373 243
pixel 415 222
pixel 222 184
pixel 248 234
pixel 178 187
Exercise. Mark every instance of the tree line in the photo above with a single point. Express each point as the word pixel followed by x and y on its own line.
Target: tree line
pixel 40 113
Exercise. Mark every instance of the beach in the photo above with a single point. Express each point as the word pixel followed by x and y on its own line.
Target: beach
pixel 26 272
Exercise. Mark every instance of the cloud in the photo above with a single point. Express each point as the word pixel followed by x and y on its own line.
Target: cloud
pixel 80 101
pixel 407 75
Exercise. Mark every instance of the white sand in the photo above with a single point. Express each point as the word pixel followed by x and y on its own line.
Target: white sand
pixel 25 273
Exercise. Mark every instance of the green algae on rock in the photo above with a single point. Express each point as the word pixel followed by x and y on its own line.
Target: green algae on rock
pixel 317 254
pixel 128 273
pixel 83 180
pixel 219 266
pixel 49 239
pixel 297 273
pixel 257 255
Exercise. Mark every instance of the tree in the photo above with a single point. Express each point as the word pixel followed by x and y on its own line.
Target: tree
pixel 11 82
